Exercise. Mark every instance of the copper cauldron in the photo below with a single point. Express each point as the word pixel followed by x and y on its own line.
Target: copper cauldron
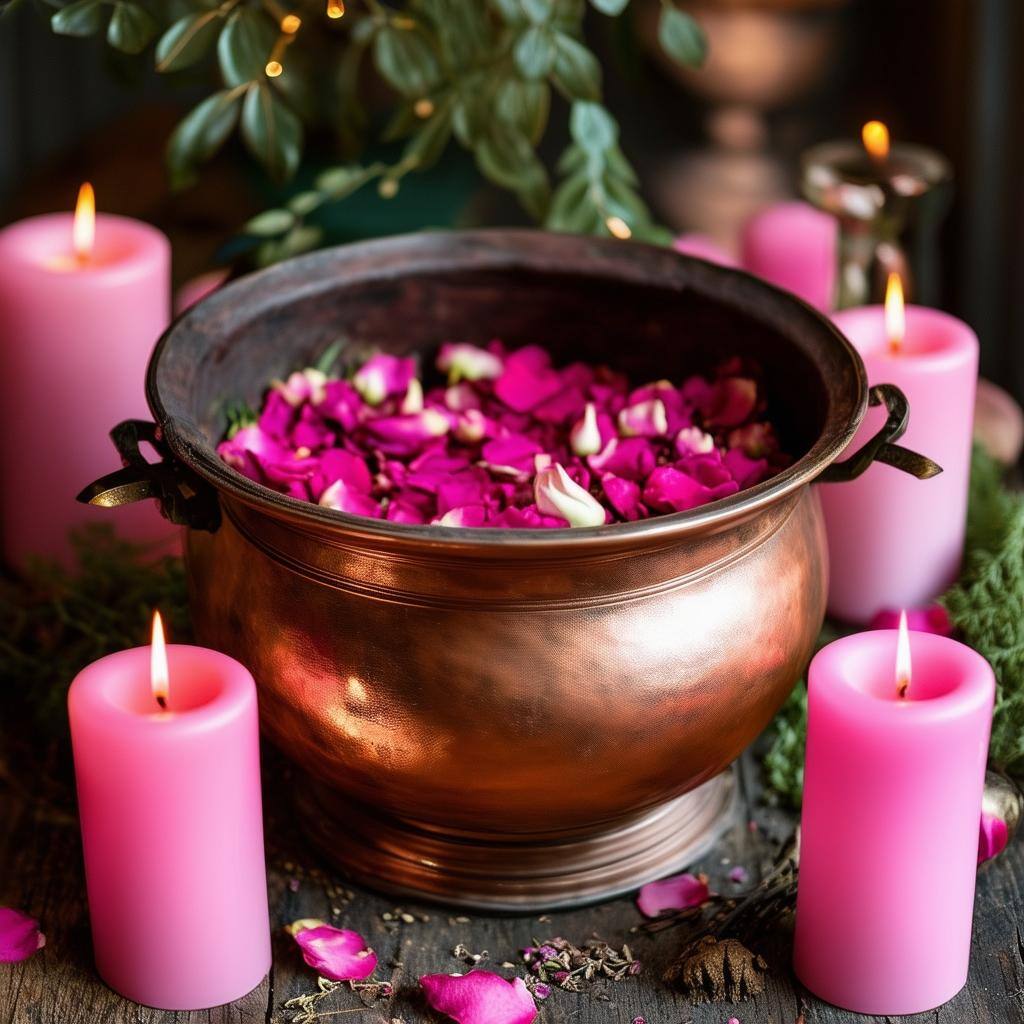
pixel 507 719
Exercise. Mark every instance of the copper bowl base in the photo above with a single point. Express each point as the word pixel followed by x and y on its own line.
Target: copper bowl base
pixel 517 874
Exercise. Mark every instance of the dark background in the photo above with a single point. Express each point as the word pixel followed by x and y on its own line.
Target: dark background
pixel 946 73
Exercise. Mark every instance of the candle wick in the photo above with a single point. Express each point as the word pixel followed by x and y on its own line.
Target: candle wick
pixel 162 701
pixel 902 685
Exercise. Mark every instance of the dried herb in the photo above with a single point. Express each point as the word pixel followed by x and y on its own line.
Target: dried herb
pixel 716 970
pixel 559 962
pixel 750 915
pixel 307 1007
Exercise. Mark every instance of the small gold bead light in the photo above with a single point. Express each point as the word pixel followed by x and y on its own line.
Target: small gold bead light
pixel 618 227
pixel 274 68
pixel 423 107
pixel 388 188
pixel 335 8
pixel 290 24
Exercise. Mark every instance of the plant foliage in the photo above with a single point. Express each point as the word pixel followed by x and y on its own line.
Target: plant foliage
pixel 477 73
pixel 986 608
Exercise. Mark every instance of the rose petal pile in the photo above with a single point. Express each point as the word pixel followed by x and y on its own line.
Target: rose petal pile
pixel 508 441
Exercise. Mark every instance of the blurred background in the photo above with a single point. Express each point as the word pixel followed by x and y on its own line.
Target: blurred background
pixel 712 145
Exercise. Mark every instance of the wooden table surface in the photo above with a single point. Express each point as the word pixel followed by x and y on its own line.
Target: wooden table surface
pixel 41 873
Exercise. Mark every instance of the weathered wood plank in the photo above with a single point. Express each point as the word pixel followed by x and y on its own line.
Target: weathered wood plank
pixel 40 871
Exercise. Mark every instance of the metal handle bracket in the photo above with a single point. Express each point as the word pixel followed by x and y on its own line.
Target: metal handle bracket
pixel 880 448
pixel 183 497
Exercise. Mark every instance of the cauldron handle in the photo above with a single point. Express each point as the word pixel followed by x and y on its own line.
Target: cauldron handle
pixel 880 448
pixel 183 497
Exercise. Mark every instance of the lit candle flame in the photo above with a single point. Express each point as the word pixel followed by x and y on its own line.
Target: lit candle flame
pixel 83 231
pixel 158 662
pixel 902 657
pixel 875 137
pixel 895 315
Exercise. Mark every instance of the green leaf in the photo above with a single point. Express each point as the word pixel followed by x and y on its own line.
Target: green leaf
pixel 592 127
pixel 339 182
pixel 271 131
pixel 524 106
pixel 537 11
pixel 304 203
pixel 506 157
pixel 131 28
pixel 404 58
pixel 570 210
pixel 576 70
pixel 187 41
pixel 510 11
pixel 301 238
pixel 681 37
pixel 82 18
pixel 613 8
pixel 270 223
pixel 534 52
pixel 199 134
pixel 244 46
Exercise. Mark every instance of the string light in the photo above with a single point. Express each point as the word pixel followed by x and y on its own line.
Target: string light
pixel 423 107
pixel 290 24
pixel 618 227
pixel 274 68
pixel 335 8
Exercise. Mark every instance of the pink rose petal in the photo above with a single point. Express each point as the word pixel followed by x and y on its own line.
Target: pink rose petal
pixel 993 837
pixel 342 498
pixel 732 401
pixel 676 893
pixel 670 490
pixel 514 452
pixel 20 936
pixel 479 997
pixel 633 458
pixel 382 376
pixel 466 516
pixel 624 496
pixel 336 953
pixel 745 470
pixel 527 379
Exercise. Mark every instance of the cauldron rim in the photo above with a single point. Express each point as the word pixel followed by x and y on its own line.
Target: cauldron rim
pixel 509 249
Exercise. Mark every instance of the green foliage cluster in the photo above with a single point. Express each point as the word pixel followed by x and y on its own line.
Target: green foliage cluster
pixel 986 608
pixel 986 605
pixel 481 73
pixel 57 621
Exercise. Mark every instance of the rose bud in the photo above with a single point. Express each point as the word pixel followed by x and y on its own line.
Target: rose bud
pixel 557 494
pixel 645 419
pixel 585 436
pixel 467 362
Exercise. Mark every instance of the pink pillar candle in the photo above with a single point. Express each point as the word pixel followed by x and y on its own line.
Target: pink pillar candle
pixel 704 247
pixel 793 246
pixel 75 337
pixel 895 541
pixel 889 836
pixel 172 827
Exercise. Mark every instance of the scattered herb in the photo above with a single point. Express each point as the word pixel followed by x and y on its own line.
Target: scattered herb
pixel 307 1007
pixel 559 962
